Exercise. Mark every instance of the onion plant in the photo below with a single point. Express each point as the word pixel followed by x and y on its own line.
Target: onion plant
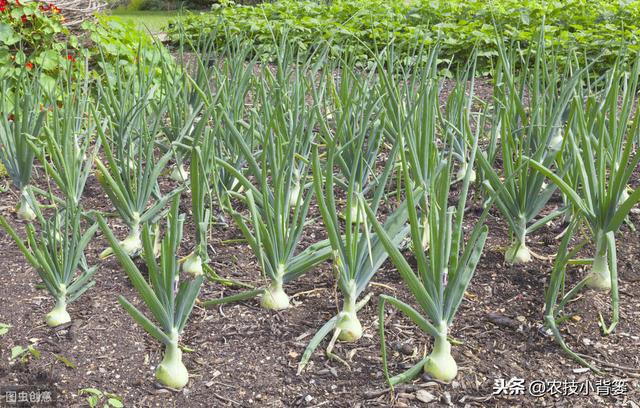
pixel 349 116
pixel 232 71
pixel 203 171
pixel 601 146
pixel 184 105
pixel 530 109
pixel 129 176
pixel 202 167
pixel 411 118
pixel 443 271
pixel 276 219
pixel 124 100
pixel 358 253
pixel 284 113
pixel 556 298
pixel 236 143
pixel 21 118
pixel 57 254
pixel 220 85
pixel 68 143
pixel 169 299
pixel 622 86
pixel 456 121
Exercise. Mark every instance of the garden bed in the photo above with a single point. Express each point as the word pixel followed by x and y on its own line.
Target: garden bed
pixel 247 356
pixel 264 140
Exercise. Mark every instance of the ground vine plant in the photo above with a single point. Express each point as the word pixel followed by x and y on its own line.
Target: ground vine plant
pixel 243 212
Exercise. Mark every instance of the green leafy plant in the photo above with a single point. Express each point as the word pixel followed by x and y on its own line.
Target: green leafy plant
pixel 95 397
pixel 278 205
pixel 130 172
pixel 456 121
pixel 24 354
pixel 202 168
pixel 600 142
pixel 21 118
pixel 530 127
pixel 32 37
pixel 410 99
pixel 350 119
pixel 358 254
pixel 444 271
pixel 357 26
pixel 125 99
pixel 4 328
pixel 555 296
pixel 68 147
pixel 169 300
pixel 119 46
pixel 57 253
pixel 184 106
pixel 237 139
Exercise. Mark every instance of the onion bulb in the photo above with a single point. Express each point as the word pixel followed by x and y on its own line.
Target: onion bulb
pixel 58 315
pixel 440 364
pixel 517 253
pixel 193 265
pixel 24 210
pixel 274 297
pixel 172 371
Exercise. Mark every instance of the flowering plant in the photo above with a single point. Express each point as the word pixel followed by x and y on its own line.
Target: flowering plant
pixel 32 37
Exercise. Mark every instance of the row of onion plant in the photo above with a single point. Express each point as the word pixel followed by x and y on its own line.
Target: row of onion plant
pixel 600 145
pixel 308 136
pixel 279 197
pixel 530 114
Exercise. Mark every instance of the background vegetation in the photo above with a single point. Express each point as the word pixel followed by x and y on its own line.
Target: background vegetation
pixel 592 27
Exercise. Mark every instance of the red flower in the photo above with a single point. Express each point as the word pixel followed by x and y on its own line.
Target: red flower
pixel 70 58
pixel 24 18
pixel 18 3
pixel 29 65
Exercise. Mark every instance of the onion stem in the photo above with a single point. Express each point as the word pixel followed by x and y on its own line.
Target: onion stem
pixel 462 172
pixel 131 245
pixel 295 193
pixel 179 173
pixel 349 324
pixel 556 141
pixel 356 213
pixel 296 188
pixel 426 238
pixel 600 275
pixel 623 197
pixel 518 253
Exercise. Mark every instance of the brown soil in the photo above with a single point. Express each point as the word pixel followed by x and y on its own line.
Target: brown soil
pixel 245 356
